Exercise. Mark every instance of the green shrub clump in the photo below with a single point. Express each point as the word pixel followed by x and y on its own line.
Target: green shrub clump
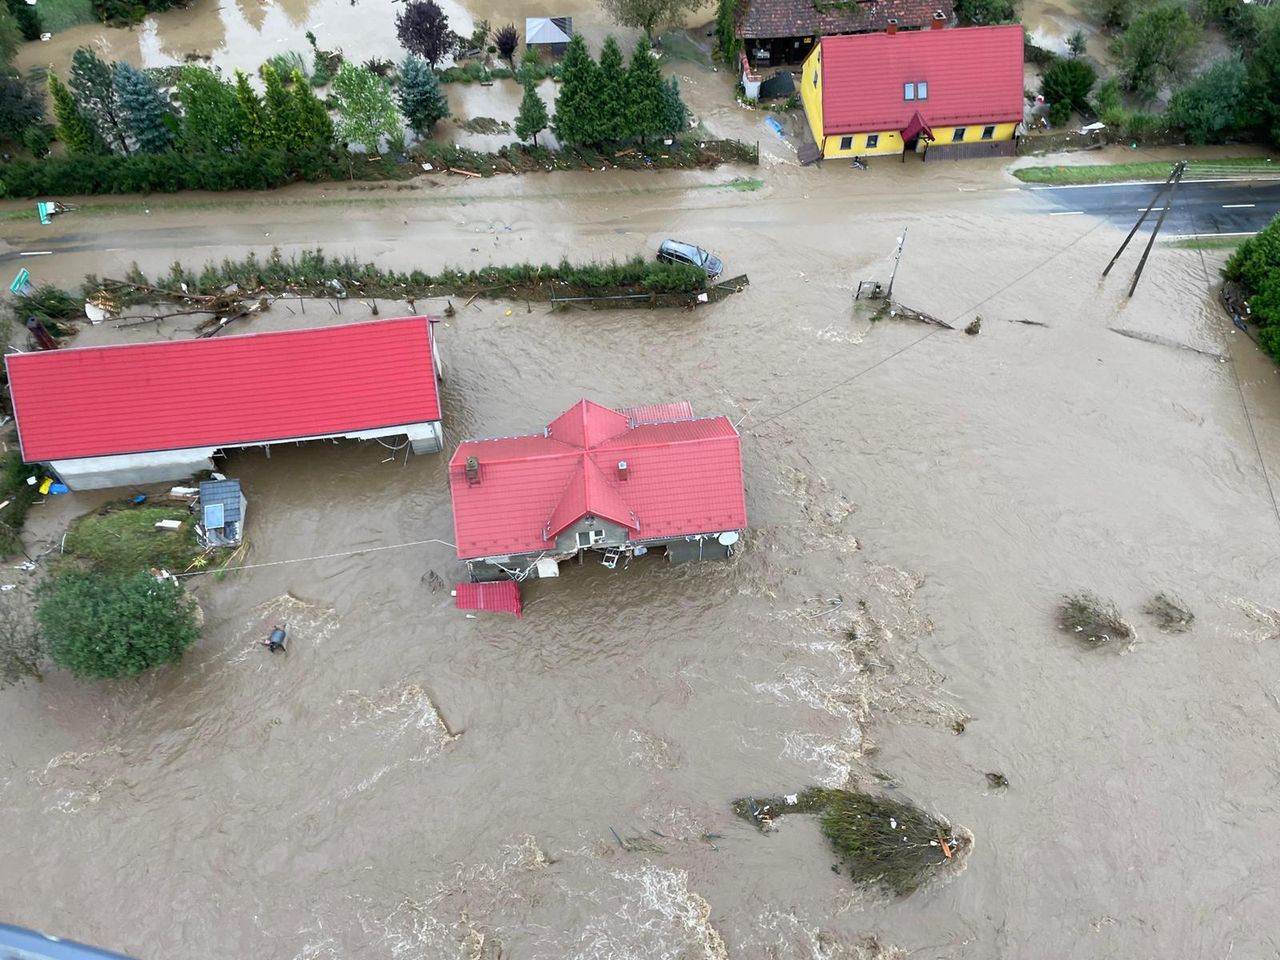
pixel 104 627
pixel 1256 266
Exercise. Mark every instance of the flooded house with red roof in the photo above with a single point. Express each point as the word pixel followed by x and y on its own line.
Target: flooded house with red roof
pixel 615 483
pixel 140 413
pixel 937 93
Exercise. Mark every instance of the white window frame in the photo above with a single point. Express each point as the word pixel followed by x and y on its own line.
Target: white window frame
pixel 908 91
pixel 922 89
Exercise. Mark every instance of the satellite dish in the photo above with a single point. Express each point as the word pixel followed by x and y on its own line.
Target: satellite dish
pixel 728 539
pixel 94 312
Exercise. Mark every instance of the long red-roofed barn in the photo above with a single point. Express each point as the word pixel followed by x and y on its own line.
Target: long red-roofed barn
pixel 154 412
pixel 618 482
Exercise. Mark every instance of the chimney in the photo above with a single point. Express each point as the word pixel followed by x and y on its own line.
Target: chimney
pixel 473 471
pixel 939 20
pixel 892 26
pixel 623 472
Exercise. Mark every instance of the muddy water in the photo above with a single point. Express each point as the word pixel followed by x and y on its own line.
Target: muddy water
pixel 411 782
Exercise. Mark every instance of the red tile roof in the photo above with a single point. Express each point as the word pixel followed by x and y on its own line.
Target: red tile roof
pixel 223 391
pixel 974 76
pixel 764 19
pixel 498 596
pixel 660 412
pixel 683 478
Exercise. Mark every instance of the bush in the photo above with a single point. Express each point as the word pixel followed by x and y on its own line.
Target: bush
pixel 1257 259
pixel 126 12
pixel 20 494
pixel 1092 620
pixel 123 539
pixel 173 171
pixel 1066 86
pixel 985 12
pixel 101 626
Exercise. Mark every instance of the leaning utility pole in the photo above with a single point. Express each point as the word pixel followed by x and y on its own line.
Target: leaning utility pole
pixel 1171 184
pixel 897 257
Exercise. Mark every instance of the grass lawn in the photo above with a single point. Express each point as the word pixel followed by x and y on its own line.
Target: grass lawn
pixel 121 538
pixel 1209 243
pixel 1146 170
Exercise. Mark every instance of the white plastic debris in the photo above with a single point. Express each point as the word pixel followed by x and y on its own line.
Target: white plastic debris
pixel 8 586
pixel 792 798
pixel 168 524
pixel 893 823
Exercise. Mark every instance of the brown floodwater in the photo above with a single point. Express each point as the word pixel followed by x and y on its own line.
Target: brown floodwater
pixel 413 782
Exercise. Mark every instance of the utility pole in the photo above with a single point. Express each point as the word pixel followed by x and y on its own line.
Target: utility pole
pixel 897 258
pixel 1170 184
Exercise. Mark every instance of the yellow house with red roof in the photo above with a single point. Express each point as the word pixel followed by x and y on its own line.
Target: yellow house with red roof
pixel 942 92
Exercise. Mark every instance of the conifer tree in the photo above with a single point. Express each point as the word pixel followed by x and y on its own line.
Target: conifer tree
pixel 95 94
pixel 645 93
pixel 575 119
pixel 75 130
pixel 255 114
pixel 144 114
pixel 613 118
pixel 532 118
pixel 421 100
pixel 675 115
pixel 282 121
pixel 314 126
pixel 212 118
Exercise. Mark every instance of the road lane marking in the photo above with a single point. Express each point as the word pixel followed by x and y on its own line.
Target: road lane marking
pixel 1068 213
pixel 1237 206
pixel 36 253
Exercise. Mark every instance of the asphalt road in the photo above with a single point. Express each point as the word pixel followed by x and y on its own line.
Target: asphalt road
pixel 1199 206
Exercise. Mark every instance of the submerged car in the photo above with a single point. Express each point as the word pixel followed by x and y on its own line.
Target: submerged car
pixel 674 251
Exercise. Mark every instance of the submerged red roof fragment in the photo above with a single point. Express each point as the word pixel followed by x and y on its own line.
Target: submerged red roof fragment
pixel 499 596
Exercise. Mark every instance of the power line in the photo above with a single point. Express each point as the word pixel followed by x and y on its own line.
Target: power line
pixel 323 556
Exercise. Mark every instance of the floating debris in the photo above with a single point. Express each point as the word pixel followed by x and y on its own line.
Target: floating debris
pixel 882 842
pixel 975 326
pixel 1094 621
pixel 1169 612
pixel 997 780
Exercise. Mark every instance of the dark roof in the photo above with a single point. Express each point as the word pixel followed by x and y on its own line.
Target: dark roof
pixel 225 492
pixel 974 76
pixel 762 19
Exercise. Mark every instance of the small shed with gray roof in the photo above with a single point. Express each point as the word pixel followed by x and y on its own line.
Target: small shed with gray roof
pixel 548 33
pixel 222 507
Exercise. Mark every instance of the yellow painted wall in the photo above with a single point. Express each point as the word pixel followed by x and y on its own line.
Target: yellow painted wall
pixel 972 134
pixel 890 142
pixel 811 92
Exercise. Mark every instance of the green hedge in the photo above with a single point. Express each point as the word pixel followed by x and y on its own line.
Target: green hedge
pixel 1256 265
pixel 171 172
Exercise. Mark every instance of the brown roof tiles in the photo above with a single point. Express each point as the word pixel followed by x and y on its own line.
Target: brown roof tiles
pixel 761 19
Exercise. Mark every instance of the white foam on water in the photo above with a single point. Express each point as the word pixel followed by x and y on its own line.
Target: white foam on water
pixel 305 622
pixel 658 918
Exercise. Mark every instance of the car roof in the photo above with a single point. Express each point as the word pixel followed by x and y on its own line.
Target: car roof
pixel 681 245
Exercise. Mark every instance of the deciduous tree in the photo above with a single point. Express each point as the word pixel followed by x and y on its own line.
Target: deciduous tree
pixel 423 28
pixel 93 87
pixel 10 37
pixel 1154 48
pixel 532 118
pixel 1214 106
pixel 648 15
pixel 576 102
pixel 104 627
pixel 1264 74
pixel 19 107
pixel 1113 14
pixel 365 111
pixel 421 100
pixel 645 93
pixel 982 13
pixel 144 114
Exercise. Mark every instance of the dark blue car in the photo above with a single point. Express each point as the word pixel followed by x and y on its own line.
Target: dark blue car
pixel 674 251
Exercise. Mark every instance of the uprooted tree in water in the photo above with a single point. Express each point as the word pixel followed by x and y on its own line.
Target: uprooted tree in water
pixel 882 842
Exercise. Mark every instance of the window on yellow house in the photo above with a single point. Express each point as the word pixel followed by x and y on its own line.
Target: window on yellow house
pixel 872 140
pixel 957 134
pixel 846 143
pixel 988 133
